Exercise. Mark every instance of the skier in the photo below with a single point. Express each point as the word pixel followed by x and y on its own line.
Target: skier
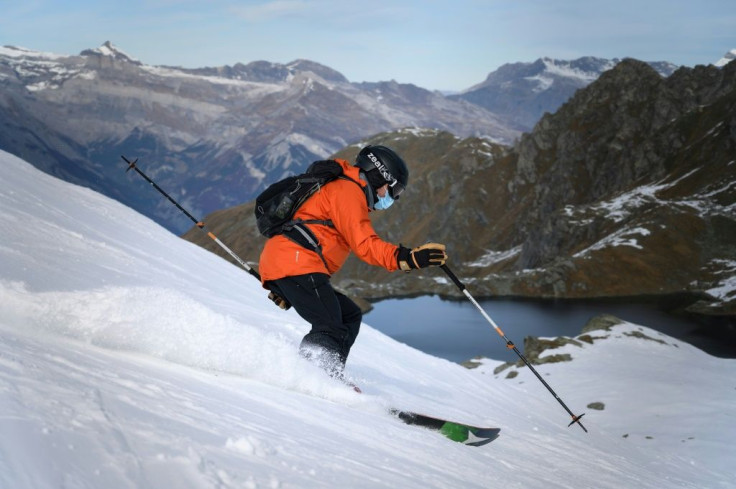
pixel 301 277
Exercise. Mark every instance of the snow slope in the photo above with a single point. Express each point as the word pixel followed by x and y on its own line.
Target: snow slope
pixel 130 358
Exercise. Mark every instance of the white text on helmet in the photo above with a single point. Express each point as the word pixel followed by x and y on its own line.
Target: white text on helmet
pixel 382 169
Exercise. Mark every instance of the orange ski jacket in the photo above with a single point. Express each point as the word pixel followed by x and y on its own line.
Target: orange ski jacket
pixel 344 203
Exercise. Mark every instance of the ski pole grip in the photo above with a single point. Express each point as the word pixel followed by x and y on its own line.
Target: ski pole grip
pixel 453 277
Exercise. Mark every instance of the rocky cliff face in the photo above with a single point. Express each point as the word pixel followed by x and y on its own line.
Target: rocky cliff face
pixel 628 189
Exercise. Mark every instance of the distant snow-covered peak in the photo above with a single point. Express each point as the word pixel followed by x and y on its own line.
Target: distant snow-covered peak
pixel 110 50
pixel 727 58
pixel 545 71
pixel 20 52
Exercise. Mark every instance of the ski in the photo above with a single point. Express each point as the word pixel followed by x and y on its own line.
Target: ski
pixel 475 436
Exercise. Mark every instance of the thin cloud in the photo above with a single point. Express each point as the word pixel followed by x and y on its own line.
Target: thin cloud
pixel 268 11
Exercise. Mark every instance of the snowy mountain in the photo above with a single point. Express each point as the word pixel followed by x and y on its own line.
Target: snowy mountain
pixel 214 135
pixel 522 92
pixel 727 58
pixel 132 358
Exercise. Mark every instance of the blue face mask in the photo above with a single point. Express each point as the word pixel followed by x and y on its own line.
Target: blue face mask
pixel 384 202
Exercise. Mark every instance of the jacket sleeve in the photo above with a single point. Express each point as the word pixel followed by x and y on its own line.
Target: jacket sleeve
pixel 351 220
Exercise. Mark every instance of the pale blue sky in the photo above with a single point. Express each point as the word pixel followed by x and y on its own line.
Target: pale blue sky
pixel 445 45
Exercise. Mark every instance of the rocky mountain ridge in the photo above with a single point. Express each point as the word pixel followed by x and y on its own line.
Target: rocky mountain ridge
pixel 73 116
pixel 212 135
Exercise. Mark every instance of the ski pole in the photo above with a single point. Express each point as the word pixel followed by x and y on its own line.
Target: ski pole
pixel 200 224
pixel 510 345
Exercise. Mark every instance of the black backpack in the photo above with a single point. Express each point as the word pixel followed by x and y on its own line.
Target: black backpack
pixel 276 206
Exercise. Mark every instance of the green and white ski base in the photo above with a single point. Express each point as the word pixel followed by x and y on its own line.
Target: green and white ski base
pixel 459 432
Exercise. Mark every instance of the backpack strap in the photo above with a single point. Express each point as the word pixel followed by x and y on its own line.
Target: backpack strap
pixel 299 233
pixel 297 230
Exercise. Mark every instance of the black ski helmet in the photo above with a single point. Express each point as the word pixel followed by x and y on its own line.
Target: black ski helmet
pixel 386 163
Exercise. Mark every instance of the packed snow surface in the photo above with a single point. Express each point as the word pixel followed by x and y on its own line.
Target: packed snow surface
pixel 130 358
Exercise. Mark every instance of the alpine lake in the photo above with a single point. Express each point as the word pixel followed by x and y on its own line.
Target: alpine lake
pixel 456 330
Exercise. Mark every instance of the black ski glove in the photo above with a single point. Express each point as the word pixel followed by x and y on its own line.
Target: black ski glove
pixel 427 255
pixel 279 301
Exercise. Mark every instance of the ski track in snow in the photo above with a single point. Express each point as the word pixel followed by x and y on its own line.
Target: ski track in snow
pixel 130 358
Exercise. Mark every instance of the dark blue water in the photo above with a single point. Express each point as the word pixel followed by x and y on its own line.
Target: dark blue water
pixel 457 331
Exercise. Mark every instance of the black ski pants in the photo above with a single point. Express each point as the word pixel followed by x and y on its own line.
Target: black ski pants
pixel 335 319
